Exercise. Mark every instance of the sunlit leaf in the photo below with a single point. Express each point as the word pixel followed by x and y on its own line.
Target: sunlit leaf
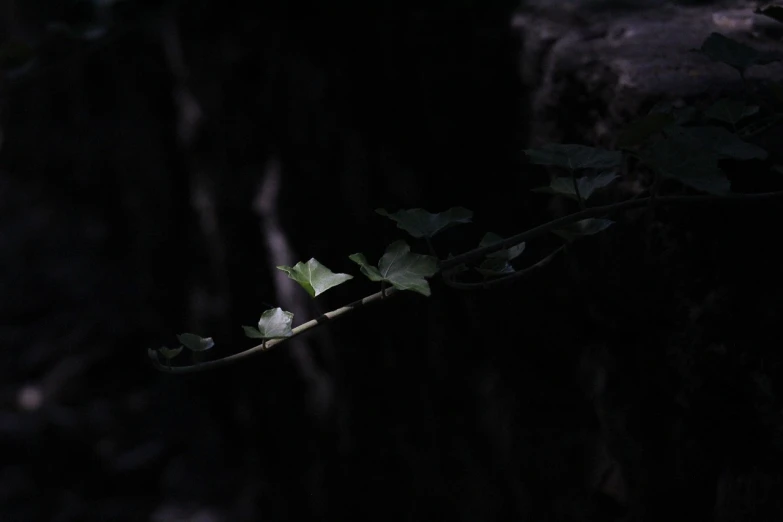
pixel 314 277
pixel 587 185
pixel 420 223
pixel 574 157
pixel 585 227
pixel 275 323
pixel 401 268
pixel 195 343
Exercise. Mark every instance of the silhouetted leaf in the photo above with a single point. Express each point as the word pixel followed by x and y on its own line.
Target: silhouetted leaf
pixel 574 157
pixel 639 131
pixel 195 343
pixel 564 186
pixel 730 111
pixel 720 48
pixel 716 140
pixel 420 223
pixel 585 227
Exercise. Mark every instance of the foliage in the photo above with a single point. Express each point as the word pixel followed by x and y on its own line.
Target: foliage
pixel 683 145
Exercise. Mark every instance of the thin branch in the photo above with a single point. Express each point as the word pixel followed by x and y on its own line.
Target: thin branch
pixel 480 253
pixel 502 280
pixel 302 328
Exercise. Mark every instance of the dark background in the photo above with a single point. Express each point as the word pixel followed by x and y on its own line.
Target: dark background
pixel 135 168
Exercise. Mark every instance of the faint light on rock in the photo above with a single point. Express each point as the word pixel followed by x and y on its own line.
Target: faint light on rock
pixel 30 398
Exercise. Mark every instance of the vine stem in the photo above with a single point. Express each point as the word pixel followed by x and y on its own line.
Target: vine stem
pixel 480 253
pixel 467 257
pixel 271 343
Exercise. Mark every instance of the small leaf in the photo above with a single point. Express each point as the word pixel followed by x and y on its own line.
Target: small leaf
pixel 169 353
pixel 403 269
pixel 252 332
pixel 196 343
pixel 717 140
pixel 420 223
pixel 719 48
pixel 275 323
pixel 585 227
pixel 730 111
pixel 314 277
pixel 564 186
pixel 772 11
pixel 574 157
pixel 695 168
pixel 639 131
pixel 494 267
pixel 506 254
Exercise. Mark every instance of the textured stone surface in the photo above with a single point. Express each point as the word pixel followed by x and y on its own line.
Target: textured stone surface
pixel 616 62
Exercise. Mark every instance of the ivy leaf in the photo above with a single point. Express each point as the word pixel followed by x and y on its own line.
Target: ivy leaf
pixel 401 268
pixel 196 343
pixel 730 111
pixel 275 323
pixel 420 223
pixel 506 254
pixel 564 186
pixel 772 11
pixel 169 353
pixel 494 267
pixel 314 277
pixel 574 157
pixel 585 227
pixel 639 131
pixel 716 140
pixel 719 48
pixel 695 168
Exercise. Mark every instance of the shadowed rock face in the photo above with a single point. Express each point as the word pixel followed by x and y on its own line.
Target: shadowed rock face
pixel 618 63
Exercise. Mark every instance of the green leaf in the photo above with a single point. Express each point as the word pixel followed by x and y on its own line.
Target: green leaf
pixel 564 186
pixel 494 267
pixel 639 131
pixel 169 353
pixel 314 277
pixel 695 168
pixel 716 140
pixel 730 111
pixel 772 11
pixel 252 332
pixel 585 227
pixel 401 268
pixel 196 343
pixel 506 254
pixel 719 48
pixel 420 223
pixel 574 157
pixel 275 323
